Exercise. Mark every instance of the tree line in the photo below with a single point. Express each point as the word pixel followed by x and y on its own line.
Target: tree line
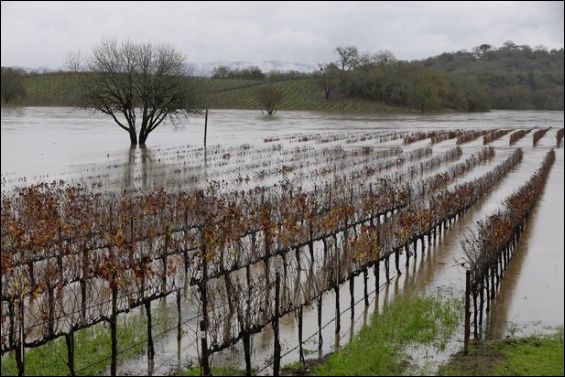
pixel 517 77
pixel 509 77
pixel 12 86
pixel 381 77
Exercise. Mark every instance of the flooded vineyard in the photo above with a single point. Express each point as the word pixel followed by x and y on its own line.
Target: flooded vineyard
pixel 280 239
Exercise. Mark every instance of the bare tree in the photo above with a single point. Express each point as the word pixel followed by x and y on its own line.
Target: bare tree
pixel 328 77
pixel 510 45
pixel 269 98
pixel 384 57
pixel 348 57
pixel 128 81
pixel 485 47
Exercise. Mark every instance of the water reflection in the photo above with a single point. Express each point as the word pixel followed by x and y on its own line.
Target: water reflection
pixel 138 167
pixel 143 169
pixel 497 321
pixel 530 298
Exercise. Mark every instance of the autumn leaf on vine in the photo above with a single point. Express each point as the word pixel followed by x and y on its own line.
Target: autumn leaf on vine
pixel 119 238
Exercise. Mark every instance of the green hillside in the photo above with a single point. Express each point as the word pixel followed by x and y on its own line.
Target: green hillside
pixel 57 89
pixel 514 76
pixel 50 89
pixel 509 77
pixel 298 94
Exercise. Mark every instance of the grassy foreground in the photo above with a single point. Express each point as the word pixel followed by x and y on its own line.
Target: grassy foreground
pixel 92 348
pixel 216 371
pixel 91 345
pixel 531 356
pixel 378 349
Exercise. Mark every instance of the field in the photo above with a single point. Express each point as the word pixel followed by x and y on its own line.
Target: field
pixel 57 89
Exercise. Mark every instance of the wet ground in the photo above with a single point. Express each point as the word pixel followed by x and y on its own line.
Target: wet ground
pixel 44 144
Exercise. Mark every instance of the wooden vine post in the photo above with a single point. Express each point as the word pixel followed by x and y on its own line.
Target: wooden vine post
pixel 277 351
pixel 467 311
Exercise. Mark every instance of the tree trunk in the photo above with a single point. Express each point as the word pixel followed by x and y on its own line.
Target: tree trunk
pixel 132 135
pixel 142 138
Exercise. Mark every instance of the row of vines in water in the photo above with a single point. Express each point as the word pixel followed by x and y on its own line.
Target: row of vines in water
pixel 487 249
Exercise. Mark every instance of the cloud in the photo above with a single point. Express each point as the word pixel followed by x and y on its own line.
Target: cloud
pixel 42 34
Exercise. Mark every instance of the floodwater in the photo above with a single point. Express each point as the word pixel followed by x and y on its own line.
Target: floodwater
pixel 46 144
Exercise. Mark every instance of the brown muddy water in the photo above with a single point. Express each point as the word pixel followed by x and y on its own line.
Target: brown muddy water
pixel 46 144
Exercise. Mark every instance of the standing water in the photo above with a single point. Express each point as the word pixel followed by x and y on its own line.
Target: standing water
pixel 46 144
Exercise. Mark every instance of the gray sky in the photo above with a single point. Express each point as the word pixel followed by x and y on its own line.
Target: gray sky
pixel 42 34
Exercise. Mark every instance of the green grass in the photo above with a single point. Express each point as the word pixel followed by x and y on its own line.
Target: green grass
pixel 92 348
pixel 299 94
pixel 292 368
pixel 378 349
pixel 219 371
pixel 531 356
pixel 50 89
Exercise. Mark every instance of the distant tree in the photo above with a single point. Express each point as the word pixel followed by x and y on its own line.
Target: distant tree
pixel 328 78
pixel 541 48
pixel 384 57
pixel 269 98
pixel 252 73
pixel 278 75
pixel 509 45
pixel 249 73
pixel 429 91
pixel 484 51
pixel 348 57
pixel 466 95
pixel 485 47
pixel 130 81
pixel 12 84
pixel 222 72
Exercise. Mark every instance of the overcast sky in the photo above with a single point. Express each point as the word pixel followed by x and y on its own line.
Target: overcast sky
pixel 42 34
